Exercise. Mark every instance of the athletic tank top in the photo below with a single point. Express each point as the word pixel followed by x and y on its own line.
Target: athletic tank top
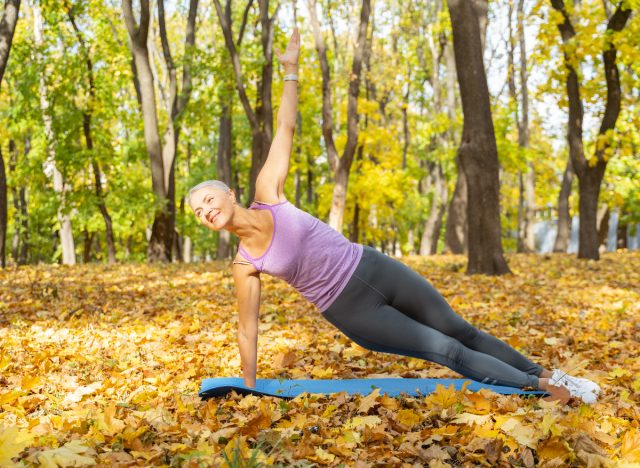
pixel 308 254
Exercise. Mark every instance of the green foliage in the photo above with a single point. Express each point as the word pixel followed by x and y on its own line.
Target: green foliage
pixel 398 80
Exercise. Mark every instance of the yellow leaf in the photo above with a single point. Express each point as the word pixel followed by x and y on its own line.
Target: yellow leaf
pixel 330 409
pixel 470 418
pixel 322 372
pixel 72 453
pixel 369 401
pixel 525 435
pixel 29 382
pixel 13 440
pixel 408 417
pixel 553 448
pixel 354 351
pixel 549 427
pixel 486 431
pixel 10 397
pixel 481 405
pixel 619 372
pixel 630 449
pixel 442 396
pixel 322 456
pixel 359 421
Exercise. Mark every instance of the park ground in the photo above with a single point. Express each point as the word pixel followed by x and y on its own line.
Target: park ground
pixel 102 365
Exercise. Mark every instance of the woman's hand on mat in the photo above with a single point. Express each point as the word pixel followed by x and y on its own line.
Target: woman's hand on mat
pixel 250 382
pixel 289 58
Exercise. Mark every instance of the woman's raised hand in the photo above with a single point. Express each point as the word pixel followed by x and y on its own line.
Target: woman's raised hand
pixel 289 58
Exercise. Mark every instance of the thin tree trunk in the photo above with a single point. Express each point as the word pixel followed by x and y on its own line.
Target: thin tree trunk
pixel 88 242
pixel 59 186
pixel 159 247
pixel 3 210
pixel 223 163
pixel 433 225
pixel 298 159
pixel 455 239
pixel 178 100
pixel 622 231
pixel 7 28
pixel 456 226
pixel 8 23
pixel 341 167
pixel 529 238
pixel 478 151
pixel 260 118
pixel 590 175
pixel 21 221
pixel 603 228
pixel 564 218
pixel 310 186
pixel 87 115
pixel 161 154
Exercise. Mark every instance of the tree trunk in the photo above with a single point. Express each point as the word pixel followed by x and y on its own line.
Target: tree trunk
pixel 433 225
pixel 478 152
pixel 178 100
pixel 298 159
pixel 8 23
pixel 59 186
pixel 260 118
pixel 161 154
pixel 159 247
pixel 455 238
pixel 603 228
pixel 564 217
pixel 21 220
pixel 87 115
pixel 341 167
pixel 621 232
pixel 223 164
pixel 590 175
pixel 88 242
pixel 3 210
pixel 456 226
pixel 7 28
pixel 526 205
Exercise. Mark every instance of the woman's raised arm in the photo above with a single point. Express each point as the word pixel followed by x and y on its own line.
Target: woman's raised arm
pixel 272 176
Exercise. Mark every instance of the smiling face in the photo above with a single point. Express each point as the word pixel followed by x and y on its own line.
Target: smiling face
pixel 213 207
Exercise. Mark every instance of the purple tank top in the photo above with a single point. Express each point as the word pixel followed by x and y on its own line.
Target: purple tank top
pixel 308 254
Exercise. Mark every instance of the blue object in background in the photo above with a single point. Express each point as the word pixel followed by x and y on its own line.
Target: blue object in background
pixel 391 386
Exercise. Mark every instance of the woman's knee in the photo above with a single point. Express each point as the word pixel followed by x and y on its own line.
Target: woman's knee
pixel 465 333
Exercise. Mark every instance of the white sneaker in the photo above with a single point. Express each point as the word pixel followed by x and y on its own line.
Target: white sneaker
pixel 585 389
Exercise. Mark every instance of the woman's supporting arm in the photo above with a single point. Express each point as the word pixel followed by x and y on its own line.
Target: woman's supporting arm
pixel 271 179
pixel 247 282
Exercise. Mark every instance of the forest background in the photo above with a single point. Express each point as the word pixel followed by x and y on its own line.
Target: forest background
pixel 423 127
pixel 110 112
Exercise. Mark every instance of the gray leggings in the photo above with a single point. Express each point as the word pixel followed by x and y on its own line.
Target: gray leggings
pixel 388 307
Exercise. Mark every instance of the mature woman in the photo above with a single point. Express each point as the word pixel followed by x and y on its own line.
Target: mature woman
pixel 376 301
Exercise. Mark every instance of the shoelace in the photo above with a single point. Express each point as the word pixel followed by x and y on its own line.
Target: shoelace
pixel 560 375
pixel 586 390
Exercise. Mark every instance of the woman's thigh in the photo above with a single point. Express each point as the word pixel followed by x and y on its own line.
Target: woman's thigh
pixel 385 329
pixel 411 294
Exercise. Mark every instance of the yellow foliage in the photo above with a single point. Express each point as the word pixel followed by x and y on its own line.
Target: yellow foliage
pixel 117 381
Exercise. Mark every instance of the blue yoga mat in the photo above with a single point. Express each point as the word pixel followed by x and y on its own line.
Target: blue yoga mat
pixel 393 387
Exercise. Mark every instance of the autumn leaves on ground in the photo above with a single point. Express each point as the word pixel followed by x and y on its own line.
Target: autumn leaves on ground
pixel 102 365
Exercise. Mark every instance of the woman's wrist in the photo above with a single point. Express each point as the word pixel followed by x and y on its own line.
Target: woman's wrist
pixel 290 69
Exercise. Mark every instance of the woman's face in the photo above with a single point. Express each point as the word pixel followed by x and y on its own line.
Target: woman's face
pixel 213 207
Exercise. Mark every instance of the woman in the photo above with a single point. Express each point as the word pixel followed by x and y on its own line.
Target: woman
pixel 377 301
